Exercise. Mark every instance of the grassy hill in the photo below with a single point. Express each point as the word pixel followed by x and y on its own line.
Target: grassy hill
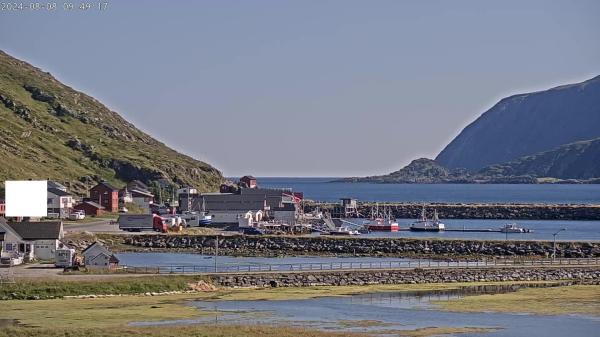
pixel 49 130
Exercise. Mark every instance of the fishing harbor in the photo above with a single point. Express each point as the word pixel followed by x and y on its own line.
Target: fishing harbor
pixel 244 206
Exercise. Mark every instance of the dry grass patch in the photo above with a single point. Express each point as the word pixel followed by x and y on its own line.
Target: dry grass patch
pixel 177 331
pixel 578 299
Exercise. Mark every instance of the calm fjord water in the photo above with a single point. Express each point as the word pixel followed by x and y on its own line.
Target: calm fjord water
pixel 322 189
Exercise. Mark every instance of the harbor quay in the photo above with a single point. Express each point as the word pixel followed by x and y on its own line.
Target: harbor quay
pixel 270 245
pixel 589 274
pixel 402 210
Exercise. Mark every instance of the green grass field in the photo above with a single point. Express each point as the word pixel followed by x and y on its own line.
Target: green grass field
pixel 27 288
pixel 577 299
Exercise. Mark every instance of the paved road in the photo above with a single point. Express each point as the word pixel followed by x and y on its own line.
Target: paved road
pixel 49 271
pixel 103 226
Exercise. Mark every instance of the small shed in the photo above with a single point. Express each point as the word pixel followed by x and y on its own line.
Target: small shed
pixel 90 208
pixel 248 181
pixel 98 256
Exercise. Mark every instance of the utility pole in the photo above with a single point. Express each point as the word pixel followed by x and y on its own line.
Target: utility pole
pixel 554 243
pixel 216 250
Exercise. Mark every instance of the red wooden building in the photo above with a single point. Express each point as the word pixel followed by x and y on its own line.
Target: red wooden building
pixel 248 181
pixel 106 195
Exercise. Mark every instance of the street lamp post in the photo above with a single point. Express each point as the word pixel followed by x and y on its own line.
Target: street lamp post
pixel 554 243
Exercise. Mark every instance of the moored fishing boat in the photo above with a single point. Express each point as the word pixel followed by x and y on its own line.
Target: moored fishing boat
pixel 425 225
pixel 377 223
pixel 343 230
pixel 513 228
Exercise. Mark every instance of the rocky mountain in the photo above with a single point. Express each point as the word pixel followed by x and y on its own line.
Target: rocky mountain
pixel 527 124
pixel 579 160
pixel 49 130
pixel 420 170
pixel 570 163
pixel 428 171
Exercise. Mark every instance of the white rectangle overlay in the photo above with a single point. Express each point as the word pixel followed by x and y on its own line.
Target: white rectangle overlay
pixel 26 198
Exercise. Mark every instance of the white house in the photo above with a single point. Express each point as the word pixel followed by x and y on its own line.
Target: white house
pixel 98 256
pixel 143 199
pixel 26 241
pixel 60 203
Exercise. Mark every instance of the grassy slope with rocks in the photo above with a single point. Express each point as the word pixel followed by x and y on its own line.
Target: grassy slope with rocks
pixel 49 130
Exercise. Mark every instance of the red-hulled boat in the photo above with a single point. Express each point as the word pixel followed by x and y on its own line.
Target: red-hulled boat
pixel 382 224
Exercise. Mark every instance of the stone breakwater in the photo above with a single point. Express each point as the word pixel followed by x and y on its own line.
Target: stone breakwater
pixel 481 211
pixel 288 245
pixel 340 278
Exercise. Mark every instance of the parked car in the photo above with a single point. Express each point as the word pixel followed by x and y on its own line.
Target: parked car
pixel 77 215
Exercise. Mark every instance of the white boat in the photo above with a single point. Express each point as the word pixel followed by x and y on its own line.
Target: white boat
pixel 425 225
pixel 513 228
pixel 343 230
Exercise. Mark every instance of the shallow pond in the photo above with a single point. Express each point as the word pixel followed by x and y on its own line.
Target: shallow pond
pixel 386 312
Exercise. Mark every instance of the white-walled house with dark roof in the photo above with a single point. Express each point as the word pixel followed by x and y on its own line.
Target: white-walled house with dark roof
pixel 26 241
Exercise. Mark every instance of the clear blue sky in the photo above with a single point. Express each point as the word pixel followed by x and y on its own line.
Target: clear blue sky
pixel 309 88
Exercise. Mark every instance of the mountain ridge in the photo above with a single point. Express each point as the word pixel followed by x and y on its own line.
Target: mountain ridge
pixel 577 162
pixel 525 124
pixel 52 131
